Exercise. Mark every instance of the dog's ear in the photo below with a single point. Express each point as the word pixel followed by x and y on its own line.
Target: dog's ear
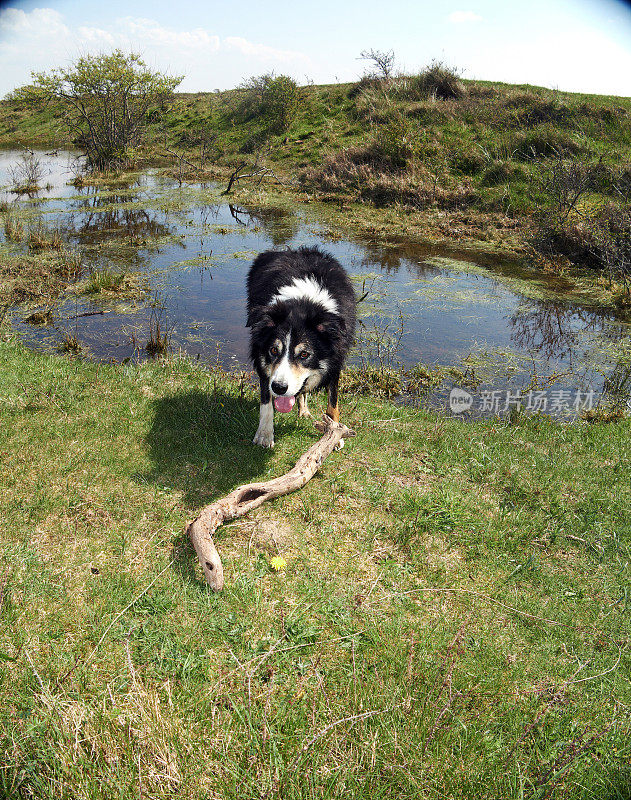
pixel 259 319
pixel 330 324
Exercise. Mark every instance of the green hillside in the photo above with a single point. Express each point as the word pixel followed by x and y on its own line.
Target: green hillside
pixel 474 166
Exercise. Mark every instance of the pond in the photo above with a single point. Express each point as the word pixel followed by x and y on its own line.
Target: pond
pixel 495 324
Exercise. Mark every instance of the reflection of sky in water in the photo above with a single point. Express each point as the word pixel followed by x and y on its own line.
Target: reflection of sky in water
pixel 195 250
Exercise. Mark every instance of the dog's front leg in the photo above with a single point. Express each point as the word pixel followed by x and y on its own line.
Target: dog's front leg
pixel 333 408
pixel 265 433
pixel 303 408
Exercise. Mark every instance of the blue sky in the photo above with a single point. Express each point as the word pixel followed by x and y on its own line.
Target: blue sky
pixel 575 45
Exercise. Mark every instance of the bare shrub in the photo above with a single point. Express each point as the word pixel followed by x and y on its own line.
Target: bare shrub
pixel 600 240
pixel 610 240
pixel 26 173
pixel 382 62
pixel 565 182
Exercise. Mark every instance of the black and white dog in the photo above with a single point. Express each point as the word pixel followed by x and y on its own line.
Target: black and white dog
pixel 301 311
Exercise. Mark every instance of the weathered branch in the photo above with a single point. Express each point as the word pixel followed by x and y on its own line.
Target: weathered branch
pixel 250 496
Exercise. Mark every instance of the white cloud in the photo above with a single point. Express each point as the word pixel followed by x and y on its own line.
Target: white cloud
pixel 96 36
pixel 459 17
pixel 151 32
pixel 39 21
pixel 261 50
pixel 561 64
pixel 207 60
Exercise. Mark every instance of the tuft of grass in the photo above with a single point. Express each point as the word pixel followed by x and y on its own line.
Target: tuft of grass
pixel 41 238
pixel 159 333
pixel 70 344
pixel 107 284
pixel 104 280
pixel 36 279
pixel 436 82
pixel 13 226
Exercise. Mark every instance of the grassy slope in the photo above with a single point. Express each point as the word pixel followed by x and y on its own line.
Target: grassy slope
pixel 487 150
pixel 174 690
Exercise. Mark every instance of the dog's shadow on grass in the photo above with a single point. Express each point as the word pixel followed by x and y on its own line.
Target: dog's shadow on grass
pixel 201 444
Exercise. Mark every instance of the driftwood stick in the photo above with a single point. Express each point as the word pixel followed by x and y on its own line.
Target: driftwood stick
pixel 250 496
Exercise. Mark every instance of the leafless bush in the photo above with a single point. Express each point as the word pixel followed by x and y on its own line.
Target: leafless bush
pixel 382 62
pixel 565 182
pixel 599 237
pixel 26 173
pixel 610 240
pixel 601 240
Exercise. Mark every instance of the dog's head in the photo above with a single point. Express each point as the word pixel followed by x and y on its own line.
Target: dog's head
pixel 294 345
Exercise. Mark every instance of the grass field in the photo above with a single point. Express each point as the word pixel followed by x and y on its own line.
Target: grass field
pixel 453 620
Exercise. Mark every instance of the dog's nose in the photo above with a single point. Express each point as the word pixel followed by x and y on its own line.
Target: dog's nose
pixel 279 388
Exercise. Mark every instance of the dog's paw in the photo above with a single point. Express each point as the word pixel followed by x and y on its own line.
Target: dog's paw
pixel 304 412
pixel 265 438
pixel 339 445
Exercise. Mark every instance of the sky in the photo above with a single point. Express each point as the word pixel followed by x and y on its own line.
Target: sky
pixel 572 45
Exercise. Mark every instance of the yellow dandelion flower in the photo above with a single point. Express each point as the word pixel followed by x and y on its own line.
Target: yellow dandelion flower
pixel 278 563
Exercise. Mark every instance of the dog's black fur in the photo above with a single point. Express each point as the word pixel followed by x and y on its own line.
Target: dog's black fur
pixel 301 312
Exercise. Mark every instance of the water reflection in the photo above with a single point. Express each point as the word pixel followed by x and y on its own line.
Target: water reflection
pixel 94 217
pixel 195 249
pixel 553 331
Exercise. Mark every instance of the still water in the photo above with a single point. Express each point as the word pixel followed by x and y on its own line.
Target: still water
pixel 189 250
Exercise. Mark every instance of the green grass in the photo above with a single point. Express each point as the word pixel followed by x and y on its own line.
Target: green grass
pixel 453 620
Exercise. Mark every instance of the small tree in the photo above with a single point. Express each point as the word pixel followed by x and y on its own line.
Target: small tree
pixel 106 100
pixel 280 103
pixel 273 99
pixel 383 62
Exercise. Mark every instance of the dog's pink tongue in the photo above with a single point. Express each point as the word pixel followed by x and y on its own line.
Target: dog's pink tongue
pixel 284 403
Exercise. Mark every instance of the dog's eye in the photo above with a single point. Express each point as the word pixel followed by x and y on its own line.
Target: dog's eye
pixel 304 356
pixel 274 351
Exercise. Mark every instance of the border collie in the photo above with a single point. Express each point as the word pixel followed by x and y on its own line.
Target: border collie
pixel 301 312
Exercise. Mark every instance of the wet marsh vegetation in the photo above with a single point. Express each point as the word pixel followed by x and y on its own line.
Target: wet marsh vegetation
pixel 151 265
pixel 517 168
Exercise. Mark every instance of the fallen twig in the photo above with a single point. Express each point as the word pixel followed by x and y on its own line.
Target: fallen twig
pixel 250 496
